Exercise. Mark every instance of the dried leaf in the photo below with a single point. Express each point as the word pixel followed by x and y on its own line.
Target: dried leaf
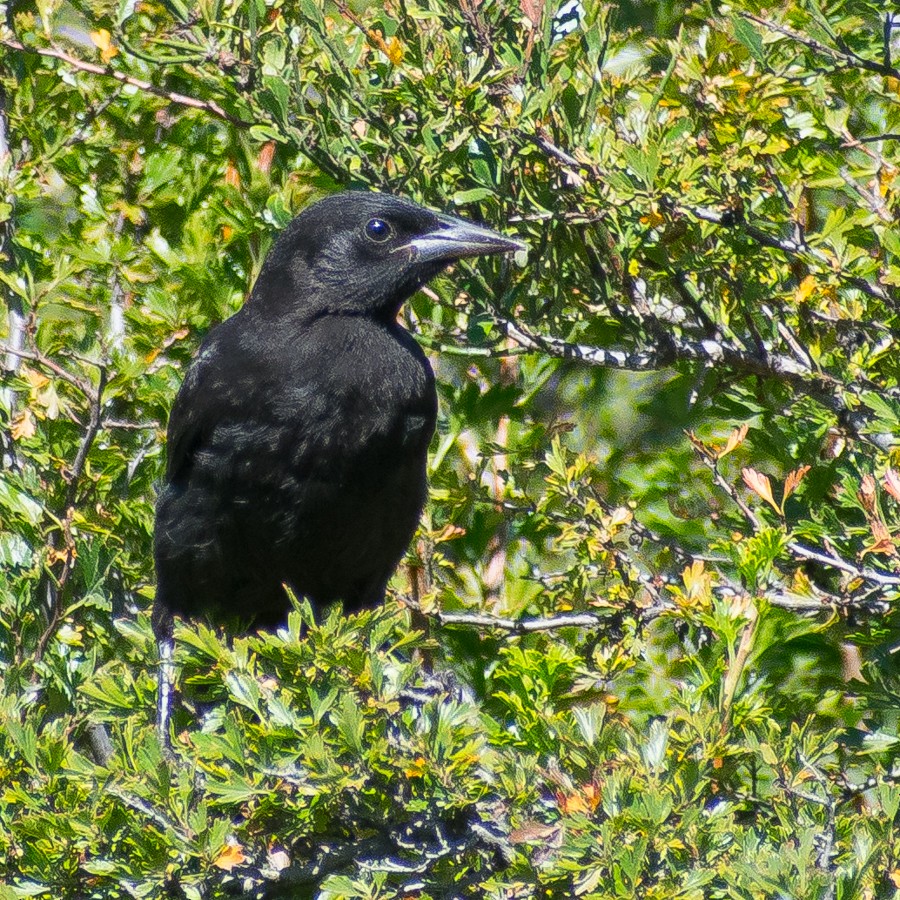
pixel 103 41
pixel 883 543
pixel 395 51
pixel 278 859
pixel 449 533
pixel 531 832
pixel 761 486
pixel 417 768
pixel 232 175
pixel 892 483
pixel 534 11
pixel 805 289
pixel 265 157
pixel 36 380
pixel 23 425
pixel 232 855
pixel 653 220
pixel 592 794
pixel 866 494
pixel 570 804
pixel 697 581
pixel 64 555
pixel 735 439
pixel 793 480
pixel 621 515
pixel 851 662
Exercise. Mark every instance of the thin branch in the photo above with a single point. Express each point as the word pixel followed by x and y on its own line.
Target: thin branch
pixel 794 248
pixel 87 441
pixel 797 549
pixel 826 852
pixel 389 852
pixel 524 626
pixel 82 384
pixel 129 426
pixel 788 246
pixel 542 142
pixel 56 586
pixel 851 788
pixel 874 576
pixel 149 812
pixel 599 622
pixel 81 65
pixel 727 488
pixel 886 38
pixel 842 54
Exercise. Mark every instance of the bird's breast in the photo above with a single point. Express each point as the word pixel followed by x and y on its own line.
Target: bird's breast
pixel 369 402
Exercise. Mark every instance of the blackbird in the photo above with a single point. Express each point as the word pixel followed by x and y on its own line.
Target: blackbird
pixel 297 444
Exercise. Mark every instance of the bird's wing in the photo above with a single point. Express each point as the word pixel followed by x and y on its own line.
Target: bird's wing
pixel 215 390
pixel 246 385
pixel 193 416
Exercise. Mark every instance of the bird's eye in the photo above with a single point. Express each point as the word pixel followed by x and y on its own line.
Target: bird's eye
pixel 378 230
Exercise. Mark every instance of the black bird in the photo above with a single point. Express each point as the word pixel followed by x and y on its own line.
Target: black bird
pixel 297 443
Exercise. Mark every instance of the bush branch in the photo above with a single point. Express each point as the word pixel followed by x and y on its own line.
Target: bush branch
pixel 147 87
pixel 820 387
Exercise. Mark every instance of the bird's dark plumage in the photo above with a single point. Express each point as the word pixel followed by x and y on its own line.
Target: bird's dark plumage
pixel 297 443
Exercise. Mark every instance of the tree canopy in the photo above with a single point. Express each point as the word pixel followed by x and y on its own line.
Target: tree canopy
pixel 645 641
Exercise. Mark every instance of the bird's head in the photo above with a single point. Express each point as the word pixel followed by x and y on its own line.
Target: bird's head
pixel 360 253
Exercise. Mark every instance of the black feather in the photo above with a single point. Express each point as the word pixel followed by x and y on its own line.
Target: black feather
pixel 297 444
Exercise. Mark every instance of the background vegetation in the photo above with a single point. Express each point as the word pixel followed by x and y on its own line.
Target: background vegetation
pixel 655 649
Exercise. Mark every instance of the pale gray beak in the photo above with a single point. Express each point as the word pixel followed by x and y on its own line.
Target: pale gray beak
pixel 456 239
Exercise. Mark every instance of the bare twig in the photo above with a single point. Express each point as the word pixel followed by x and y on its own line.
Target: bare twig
pixel 524 626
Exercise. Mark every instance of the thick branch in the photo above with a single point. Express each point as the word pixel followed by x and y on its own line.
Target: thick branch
pixel 524 626
pixel 822 388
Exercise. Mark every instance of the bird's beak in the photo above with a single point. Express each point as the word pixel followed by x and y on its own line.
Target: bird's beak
pixel 455 238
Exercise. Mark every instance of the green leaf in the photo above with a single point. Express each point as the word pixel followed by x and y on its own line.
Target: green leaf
pixel 749 37
pixel 473 195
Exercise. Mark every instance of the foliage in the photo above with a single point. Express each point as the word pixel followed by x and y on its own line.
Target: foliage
pixel 645 642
